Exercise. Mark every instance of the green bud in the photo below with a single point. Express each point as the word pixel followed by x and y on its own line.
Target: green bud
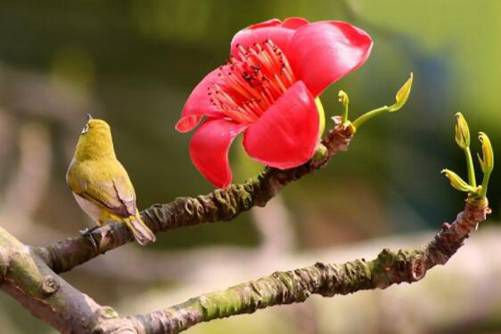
pixel 343 98
pixel 402 95
pixel 457 182
pixel 487 159
pixel 462 131
pixel 400 100
pixel 345 101
pixel 321 116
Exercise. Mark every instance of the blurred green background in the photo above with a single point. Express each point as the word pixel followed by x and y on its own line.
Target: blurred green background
pixel 134 63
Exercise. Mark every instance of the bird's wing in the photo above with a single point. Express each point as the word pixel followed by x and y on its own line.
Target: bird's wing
pixel 113 191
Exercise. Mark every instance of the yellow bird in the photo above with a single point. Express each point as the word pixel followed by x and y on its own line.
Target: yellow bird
pixel 100 183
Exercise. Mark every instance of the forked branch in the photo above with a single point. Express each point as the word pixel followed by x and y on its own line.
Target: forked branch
pixel 325 279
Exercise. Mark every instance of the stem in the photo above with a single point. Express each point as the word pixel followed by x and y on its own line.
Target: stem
pixel 368 115
pixel 470 167
pixel 485 183
pixel 345 113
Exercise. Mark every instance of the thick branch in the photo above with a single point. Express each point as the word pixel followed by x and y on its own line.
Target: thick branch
pixel 31 282
pixel 28 279
pixel 327 280
pixel 219 205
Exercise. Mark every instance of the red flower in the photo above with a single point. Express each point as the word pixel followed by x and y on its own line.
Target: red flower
pixel 267 90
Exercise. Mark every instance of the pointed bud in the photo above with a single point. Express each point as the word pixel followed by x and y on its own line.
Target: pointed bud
pixel 457 182
pixel 402 95
pixel 343 98
pixel 345 101
pixel 487 159
pixel 462 131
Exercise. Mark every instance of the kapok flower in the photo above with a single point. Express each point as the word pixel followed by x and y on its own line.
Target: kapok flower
pixel 268 91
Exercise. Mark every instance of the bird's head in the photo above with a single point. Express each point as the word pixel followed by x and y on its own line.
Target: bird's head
pixel 95 140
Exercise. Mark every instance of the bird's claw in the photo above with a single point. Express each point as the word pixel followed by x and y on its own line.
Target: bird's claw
pixel 87 233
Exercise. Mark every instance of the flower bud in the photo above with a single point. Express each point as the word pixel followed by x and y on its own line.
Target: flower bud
pixel 402 95
pixel 487 159
pixel 457 182
pixel 343 98
pixel 345 101
pixel 462 131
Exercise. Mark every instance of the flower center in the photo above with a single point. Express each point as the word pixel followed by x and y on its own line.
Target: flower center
pixel 251 82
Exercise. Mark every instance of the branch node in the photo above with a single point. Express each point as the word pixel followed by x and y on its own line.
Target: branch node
pixel 108 321
pixel 418 268
pixel 106 312
pixel 193 208
pixel 49 285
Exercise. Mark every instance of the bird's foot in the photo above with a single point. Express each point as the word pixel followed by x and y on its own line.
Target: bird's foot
pixel 87 233
pixel 88 230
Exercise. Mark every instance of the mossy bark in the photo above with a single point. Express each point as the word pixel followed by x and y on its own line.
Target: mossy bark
pixel 28 279
pixel 325 279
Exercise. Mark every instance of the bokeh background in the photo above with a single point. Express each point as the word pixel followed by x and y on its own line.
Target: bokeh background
pixel 134 63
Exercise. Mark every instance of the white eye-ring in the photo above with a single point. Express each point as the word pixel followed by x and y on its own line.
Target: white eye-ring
pixel 85 128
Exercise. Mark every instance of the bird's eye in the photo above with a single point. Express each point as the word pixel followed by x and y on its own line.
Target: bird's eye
pixel 85 129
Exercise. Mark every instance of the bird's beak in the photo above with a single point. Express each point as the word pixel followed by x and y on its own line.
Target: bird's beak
pixel 89 117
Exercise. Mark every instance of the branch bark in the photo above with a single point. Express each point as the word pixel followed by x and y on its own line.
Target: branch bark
pixel 325 279
pixel 28 279
pixel 219 205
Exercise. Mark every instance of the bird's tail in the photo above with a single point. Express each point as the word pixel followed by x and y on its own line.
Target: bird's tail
pixel 141 232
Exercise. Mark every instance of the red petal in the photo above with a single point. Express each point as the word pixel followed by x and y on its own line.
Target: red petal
pixel 279 32
pixel 268 23
pixel 198 103
pixel 323 52
pixel 286 135
pixel 187 123
pixel 294 22
pixel 209 148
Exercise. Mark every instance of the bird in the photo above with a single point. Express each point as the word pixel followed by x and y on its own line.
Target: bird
pixel 100 183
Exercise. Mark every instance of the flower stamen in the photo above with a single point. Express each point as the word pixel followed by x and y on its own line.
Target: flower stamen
pixel 253 80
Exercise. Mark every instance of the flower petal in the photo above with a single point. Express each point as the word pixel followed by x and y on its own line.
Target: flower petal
pixel 323 52
pixel 199 104
pixel 287 134
pixel 269 23
pixel 209 148
pixel 187 123
pixel 294 22
pixel 279 32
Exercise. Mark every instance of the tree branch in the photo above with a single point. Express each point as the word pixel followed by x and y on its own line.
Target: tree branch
pixel 219 205
pixel 28 279
pixel 390 267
